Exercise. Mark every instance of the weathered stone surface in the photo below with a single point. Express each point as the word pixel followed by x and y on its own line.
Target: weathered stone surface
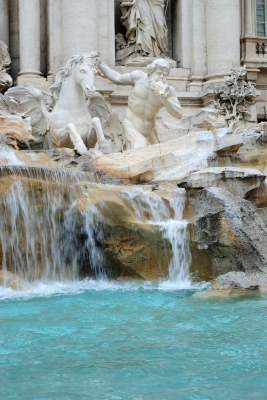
pixel 236 283
pixel 238 181
pixel 12 281
pixel 170 161
pixel 15 131
pixel 227 235
pixel 241 280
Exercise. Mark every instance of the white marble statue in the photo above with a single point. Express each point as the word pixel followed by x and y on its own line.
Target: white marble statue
pixel 5 61
pixel 77 110
pixel 150 92
pixel 146 27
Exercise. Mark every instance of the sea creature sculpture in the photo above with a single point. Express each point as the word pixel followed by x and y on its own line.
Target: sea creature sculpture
pixel 76 109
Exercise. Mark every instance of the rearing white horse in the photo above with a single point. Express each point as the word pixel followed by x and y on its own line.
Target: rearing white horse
pixel 70 123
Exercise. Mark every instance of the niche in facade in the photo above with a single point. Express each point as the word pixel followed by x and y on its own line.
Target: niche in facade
pixel 120 28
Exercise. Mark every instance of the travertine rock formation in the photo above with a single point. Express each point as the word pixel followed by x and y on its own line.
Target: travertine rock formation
pixel 15 131
pixel 227 235
pixel 10 280
pixel 238 181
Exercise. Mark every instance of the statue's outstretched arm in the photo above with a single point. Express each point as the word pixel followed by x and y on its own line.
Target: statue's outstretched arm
pixel 116 77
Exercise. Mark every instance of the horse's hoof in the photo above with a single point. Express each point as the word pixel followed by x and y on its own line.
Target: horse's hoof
pixel 81 152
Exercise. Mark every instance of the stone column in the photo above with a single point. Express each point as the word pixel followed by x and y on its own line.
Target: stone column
pixel 182 23
pixel 4 23
pixel 54 18
pixel 106 31
pixel 79 27
pixel 29 39
pixel 248 15
pixel 223 37
pixel 198 46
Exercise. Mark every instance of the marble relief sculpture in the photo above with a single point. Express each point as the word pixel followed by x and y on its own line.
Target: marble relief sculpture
pixel 76 113
pixel 235 96
pixel 150 92
pixel 5 61
pixel 146 30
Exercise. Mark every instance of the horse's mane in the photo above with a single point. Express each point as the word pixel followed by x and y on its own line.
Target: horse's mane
pixel 90 58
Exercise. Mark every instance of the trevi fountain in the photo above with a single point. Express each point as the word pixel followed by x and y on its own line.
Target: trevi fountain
pixel 133 200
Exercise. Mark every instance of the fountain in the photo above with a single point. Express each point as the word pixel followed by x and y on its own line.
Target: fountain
pixel 55 223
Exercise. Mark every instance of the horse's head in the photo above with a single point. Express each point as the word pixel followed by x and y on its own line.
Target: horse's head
pixel 85 72
pixel 83 67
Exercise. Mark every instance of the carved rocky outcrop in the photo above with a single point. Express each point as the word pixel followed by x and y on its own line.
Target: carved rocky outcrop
pixel 170 161
pixel 239 181
pixel 227 235
pixel 10 280
pixel 15 131
pixel 5 61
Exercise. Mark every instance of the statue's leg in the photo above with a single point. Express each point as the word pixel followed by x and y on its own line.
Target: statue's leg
pixel 100 135
pixel 61 137
pixel 133 138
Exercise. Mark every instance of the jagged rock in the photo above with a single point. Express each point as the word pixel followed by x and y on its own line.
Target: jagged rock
pixel 170 161
pixel 238 181
pixel 227 235
pixel 12 281
pixel 15 131
pixel 236 283
pixel 204 120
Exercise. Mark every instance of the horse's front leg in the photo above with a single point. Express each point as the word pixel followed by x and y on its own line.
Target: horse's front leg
pixel 71 131
pixel 103 146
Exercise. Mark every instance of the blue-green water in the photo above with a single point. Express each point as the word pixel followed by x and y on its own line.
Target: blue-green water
pixel 97 340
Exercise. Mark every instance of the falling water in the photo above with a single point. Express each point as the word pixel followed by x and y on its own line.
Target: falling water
pixel 43 236
pixel 150 207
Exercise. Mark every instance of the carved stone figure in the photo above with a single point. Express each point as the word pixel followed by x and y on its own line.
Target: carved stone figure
pixel 5 61
pixel 15 128
pixel 235 96
pixel 146 29
pixel 76 109
pixel 150 92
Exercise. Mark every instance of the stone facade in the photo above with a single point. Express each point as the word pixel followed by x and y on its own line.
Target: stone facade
pixel 205 41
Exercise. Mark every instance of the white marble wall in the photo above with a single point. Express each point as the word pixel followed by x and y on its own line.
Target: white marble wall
pixel 43 34
pixel 223 37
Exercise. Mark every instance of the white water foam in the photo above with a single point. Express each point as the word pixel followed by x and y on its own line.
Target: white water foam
pixel 46 289
pixel 8 156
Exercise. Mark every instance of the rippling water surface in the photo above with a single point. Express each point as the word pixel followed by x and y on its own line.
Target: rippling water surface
pixel 100 340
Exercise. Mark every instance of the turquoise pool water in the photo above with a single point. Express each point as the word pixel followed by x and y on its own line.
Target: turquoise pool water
pixel 99 340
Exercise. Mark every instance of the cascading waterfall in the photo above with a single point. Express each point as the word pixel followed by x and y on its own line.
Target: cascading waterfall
pixel 45 236
pixel 150 207
pixel 41 234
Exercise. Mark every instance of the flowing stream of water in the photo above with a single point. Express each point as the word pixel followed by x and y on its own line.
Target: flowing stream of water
pixel 43 237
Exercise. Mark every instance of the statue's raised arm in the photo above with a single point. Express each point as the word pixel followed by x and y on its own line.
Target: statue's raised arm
pixel 150 92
